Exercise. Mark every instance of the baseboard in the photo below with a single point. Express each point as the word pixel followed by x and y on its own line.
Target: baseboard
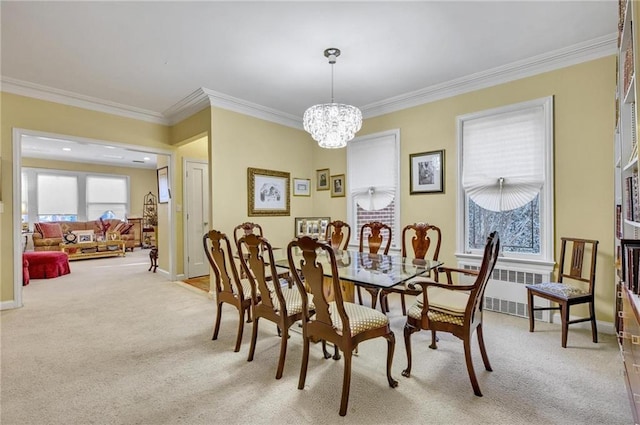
pixel 9 305
pixel 603 327
pixel 181 276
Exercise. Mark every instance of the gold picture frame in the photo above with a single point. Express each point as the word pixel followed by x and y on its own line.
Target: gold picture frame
pixel 322 179
pixel 267 192
pixel 337 185
pixel 301 187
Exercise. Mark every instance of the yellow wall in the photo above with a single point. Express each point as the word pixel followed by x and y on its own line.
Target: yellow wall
pixel 239 142
pixel 33 114
pixel 141 181
pixel 584 123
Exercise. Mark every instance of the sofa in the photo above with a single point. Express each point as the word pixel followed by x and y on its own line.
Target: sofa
pixel 48 236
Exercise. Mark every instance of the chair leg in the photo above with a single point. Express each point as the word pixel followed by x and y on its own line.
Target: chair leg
pixel 564 314
pixel 254 337
pixel 283 352
pixel 469 360
pixel 404 306
pixel 434 340
pixel 240 329
pixel 594 329
pixel 530 308
pixel 483 350
pixel 408 330
pixel 346 382
pixel 305 361
pixel 374 297
pixel 216 327
pixel 391 345
pixel 384 302
pixel 359 295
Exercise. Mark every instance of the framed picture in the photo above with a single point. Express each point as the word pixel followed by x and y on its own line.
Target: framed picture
pixel 112 235
pixel 268 192
pixel 164 193
pixel 322 179
pixel 337 185
pixel 84 236
pixel 301 187
pixel 426 172
pixel 316 227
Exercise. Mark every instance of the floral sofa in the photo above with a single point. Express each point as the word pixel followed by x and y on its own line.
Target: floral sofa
pixel 48 236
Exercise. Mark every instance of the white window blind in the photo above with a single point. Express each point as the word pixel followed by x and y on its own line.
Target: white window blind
pixel 373 171
pixel 106 189
pixel 503 166
pixel 57 194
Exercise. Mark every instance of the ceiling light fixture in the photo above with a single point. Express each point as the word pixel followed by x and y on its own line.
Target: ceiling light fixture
pixel 66 149
pixel 332 125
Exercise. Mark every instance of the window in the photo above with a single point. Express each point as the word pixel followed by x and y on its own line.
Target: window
pixel 506 184
pixel 373 182
pixel 57 195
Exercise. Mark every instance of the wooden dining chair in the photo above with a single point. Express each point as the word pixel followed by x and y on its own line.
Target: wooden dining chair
pixel 377 235
pixel 338 234
pixel 454 308
pixel 278 304
pixel 425 239
pixel 342 323
pixel 580 290
pixel 229 287
pixel 250 228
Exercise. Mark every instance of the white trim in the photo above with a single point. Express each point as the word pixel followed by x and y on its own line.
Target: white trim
pixel 197 100
pixel 50 94
pixel 546 198
pixel 17 217
pixel 542 267
pixel 556 59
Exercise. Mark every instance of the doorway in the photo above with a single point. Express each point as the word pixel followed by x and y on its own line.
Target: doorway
pixel 196 216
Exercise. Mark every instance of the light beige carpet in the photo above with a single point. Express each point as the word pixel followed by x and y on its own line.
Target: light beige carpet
pixel 112 343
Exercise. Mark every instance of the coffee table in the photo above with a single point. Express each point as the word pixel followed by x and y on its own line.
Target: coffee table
pixel 81 250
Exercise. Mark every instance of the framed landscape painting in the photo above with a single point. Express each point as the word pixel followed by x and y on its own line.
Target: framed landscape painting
pixel 268 192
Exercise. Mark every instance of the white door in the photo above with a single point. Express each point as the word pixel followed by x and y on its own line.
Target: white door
pixel 196 216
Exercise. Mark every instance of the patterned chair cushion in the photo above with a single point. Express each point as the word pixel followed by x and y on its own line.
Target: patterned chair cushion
pixel 558 289
pixel 446 301
pixel 293 300
pixel 361 318
pixel 437 316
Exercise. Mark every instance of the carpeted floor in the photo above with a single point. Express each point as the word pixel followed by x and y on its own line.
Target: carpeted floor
pixel 112 343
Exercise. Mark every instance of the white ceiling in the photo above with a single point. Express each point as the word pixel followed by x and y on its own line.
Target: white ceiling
pixel 155 58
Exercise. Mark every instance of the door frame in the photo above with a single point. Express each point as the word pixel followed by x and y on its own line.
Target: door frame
pixel 17 221
pixel 185 210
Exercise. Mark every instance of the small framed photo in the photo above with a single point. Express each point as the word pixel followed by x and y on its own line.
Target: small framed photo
pixel 268 192
pixel 337 185
pixel 322 179
pixel 84 236
pixel 426 172
pixel 315 227
pixel 164 194
pixel 301 187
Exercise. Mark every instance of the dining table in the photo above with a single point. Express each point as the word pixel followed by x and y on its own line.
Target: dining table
pixel 368 270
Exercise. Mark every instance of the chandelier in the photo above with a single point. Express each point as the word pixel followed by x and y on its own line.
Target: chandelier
pixel 332 125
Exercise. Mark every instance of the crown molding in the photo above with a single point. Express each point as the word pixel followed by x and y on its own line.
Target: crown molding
pixel 572 55
pixel 50 94
pixel 203 97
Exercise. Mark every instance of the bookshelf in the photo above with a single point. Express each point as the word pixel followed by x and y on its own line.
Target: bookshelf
pixel 627 202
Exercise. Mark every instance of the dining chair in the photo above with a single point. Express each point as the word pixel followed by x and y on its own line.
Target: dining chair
pixel 279 304
pixel 425 238
pixel 454 308
pixel 377 235
pixel 336 236
pixel 229 287
pixel 250 228
pixel 580 291
pixel 339 322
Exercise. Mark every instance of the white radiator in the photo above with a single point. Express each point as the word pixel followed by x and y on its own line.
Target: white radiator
pixel 506 291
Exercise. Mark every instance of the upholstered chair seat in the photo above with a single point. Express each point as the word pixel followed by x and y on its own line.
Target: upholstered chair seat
pixel 361 318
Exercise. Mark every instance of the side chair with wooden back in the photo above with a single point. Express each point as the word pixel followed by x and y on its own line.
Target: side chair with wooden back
pixel 377 235
pixel 229 288
pixel 454 308
pixel 425 238
pixel 250 228
pixel 581 291
pixel 336 236
pixel 280 305
pixel 342 323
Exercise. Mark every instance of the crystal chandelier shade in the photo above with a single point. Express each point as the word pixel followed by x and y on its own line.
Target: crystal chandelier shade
pixel 332 125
